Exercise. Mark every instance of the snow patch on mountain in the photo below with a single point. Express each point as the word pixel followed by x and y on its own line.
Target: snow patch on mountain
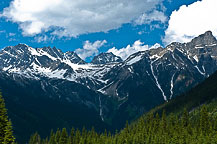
pixel 134 60
pixel 171 86
pixel 33 51
pixel 200 71
pixel 196 58
pixel 157 83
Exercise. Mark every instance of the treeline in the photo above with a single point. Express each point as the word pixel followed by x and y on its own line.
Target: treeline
pixel 149 129
pixel 6 132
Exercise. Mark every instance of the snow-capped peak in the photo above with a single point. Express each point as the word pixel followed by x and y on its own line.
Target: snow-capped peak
pixel 105 58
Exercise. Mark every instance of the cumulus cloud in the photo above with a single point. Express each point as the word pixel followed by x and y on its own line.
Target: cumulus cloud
pixel 71 18
pixel 90 49
pixel 190 21
pixel 124 53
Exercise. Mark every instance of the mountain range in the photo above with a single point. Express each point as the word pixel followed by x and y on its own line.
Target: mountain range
pixel 49 88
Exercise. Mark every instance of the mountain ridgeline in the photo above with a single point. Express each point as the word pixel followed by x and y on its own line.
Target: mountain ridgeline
pixel 45 88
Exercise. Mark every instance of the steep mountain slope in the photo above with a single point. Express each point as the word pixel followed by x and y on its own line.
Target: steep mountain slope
pixel 149 78
pixel 50 104
pixel 204 93
pixel 188 118
pixel 170 66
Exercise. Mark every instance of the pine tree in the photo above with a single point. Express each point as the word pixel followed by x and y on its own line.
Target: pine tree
pixel 9 138
pixel 71 136
pixel 35 139
pixel 77 137
pixel 57 136
pixel 52 138
pixel 3 119
pixel 163 122
pixel 63 137
pixel 6 132
pixel 185 118
pixel 204 120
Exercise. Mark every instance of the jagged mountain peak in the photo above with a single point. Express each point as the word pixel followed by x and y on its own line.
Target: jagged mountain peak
pixel 73 57
pixel 204 39
pixel 21 45
pixel 16 47
pixel 156 50
pixel 49 62
pixel 105 58
pixel 208 33
pixel 52 53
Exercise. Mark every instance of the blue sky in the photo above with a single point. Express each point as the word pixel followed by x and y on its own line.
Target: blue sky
pixel 94 27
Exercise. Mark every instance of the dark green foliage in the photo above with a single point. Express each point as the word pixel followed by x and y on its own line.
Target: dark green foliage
pixel 3 119
pixel 9 138
pixel 35 139
pixel 204 120
pixel 151 129
pixel 64 137
pixel 6 132
pixel 57 136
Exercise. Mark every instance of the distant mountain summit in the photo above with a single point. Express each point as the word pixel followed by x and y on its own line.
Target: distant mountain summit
pixel 204 39
pixel 105 58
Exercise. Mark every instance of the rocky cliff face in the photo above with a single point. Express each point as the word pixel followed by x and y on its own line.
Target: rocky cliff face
pixel 105 58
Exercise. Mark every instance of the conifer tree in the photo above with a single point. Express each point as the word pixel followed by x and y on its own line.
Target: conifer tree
pixel 3 119
pixel 35 139
pixel 57 136
pixel 9 138
pixel 6 132
pixel 204 120
pixel 185 118
pixel 163 121
pixel 52 138
pixel 63 137
pixel 77 137
pixel 71 136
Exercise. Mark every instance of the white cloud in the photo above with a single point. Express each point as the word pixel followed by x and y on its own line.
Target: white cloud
pixel 11 34
pixel 124 53
pixel 90 49
pixel 2 31
pixel 44 38
pixel 149 17
pixel 12 39
pixel 190 21
pixel 71 18
pixel 157 45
